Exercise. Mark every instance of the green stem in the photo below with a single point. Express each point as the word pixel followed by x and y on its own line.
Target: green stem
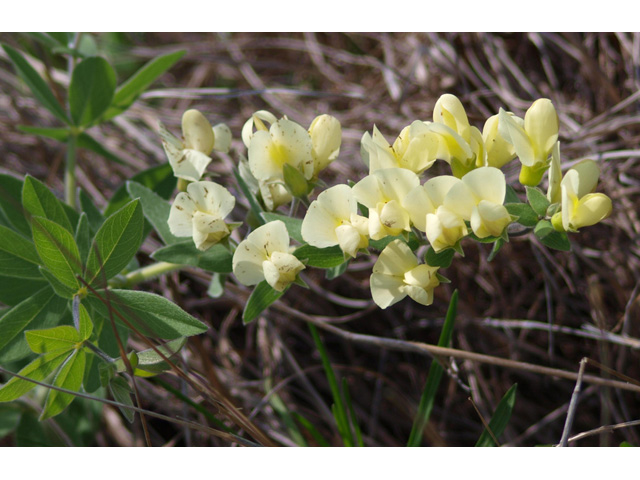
pixel 70 172
pixel 143 274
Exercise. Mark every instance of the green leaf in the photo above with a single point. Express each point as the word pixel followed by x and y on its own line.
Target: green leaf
pixel 9 418
pixel 215 259
pixel 85 327
pixel 150 362
pixel 68 377
pixel 294 181
pixel 433 380
pixel 150 314
pixel 95 217
pixel 64 337
pixel 496 248
pixel 11 203
pixel 160 179
pixel 115 244
pixel 156 210
pixel 130 90
pixel 38 370
pixel 83 237
pixel 259 300
pixel 526 215
pixel 335 272
pixel 441 259
pixel 62 290
pixel 121 392
pixel 511 196
pixel 320 257
pixel 58 251
pixel 12 292
pixel 550 237
pixel 500 418
pixel 42 306
pixel 18 256
pixel 61 134
pixel 38 200
pixel 38 86
pixel 93 84
pixel 88 142
pixel 294 225
pixel 537 200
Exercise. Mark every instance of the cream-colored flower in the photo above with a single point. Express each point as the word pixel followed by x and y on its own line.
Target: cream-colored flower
pixel 383 192
pixel 326 138
pixel 581 207
pixel 257 120
pixel 479 198
pixel 415 149
pixel 286 142
pixel 199 213
pixel 265 255
pixel 397 274
pixel 534 140
pixel 554 194
pixel 444 228
pixel 333 219
pixel 499 151
pixel 189 157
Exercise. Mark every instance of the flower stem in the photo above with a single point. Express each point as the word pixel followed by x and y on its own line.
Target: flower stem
pixel 70 172
pixel 143 274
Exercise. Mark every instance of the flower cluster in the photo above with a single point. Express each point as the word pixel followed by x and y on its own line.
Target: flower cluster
pixel 394 201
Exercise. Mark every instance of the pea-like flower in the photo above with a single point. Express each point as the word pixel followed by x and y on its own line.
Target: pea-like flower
pixel 479 199
pixel 581 207
pixel 382 192
pixel 189 157
pixel 326 138
pixel 265 255
pixel 534 140
pixel 397 274
pixel 499 150
pixel 199 213
pixel 333 219
pixel 461 145
pixel 415 149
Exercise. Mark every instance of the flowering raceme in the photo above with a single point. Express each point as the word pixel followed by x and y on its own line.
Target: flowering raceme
pixel 189 157
pixel 333 219
pixel 265 255
pixel 397 274
pixel 199 213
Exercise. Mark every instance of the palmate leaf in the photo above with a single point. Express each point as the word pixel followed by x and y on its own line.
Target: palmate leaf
pixel 38 370
pixel 156 210
pixel 11 204
pixel 130 90
pixel 62 338
pixel 320 257
pixel 18 256
pixel 38 200
pixel 115 244
pixel 215 259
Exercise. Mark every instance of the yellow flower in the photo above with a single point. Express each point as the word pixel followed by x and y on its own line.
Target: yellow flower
pixel 265 255
pixel 257 120
pixel 581 207
pixel 397 274
pixel 479 199
pixel 189 157
pixel 499 151
pixel 534 140
pixel 326 137
pixel 333 219
pixel 382 192
pixel 415 149
pixel 199 213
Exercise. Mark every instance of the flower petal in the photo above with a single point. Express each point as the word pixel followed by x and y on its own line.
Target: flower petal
pixel 386 290
pixel 222 134
pixel 181 215
pixel 197 132
pixel 515 134
pixel 487 183
pixel 396 259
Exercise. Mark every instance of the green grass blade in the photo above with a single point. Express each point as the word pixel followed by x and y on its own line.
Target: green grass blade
pixel 433 380
pixel 500 418
pixel 352 414
pixel 338 408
